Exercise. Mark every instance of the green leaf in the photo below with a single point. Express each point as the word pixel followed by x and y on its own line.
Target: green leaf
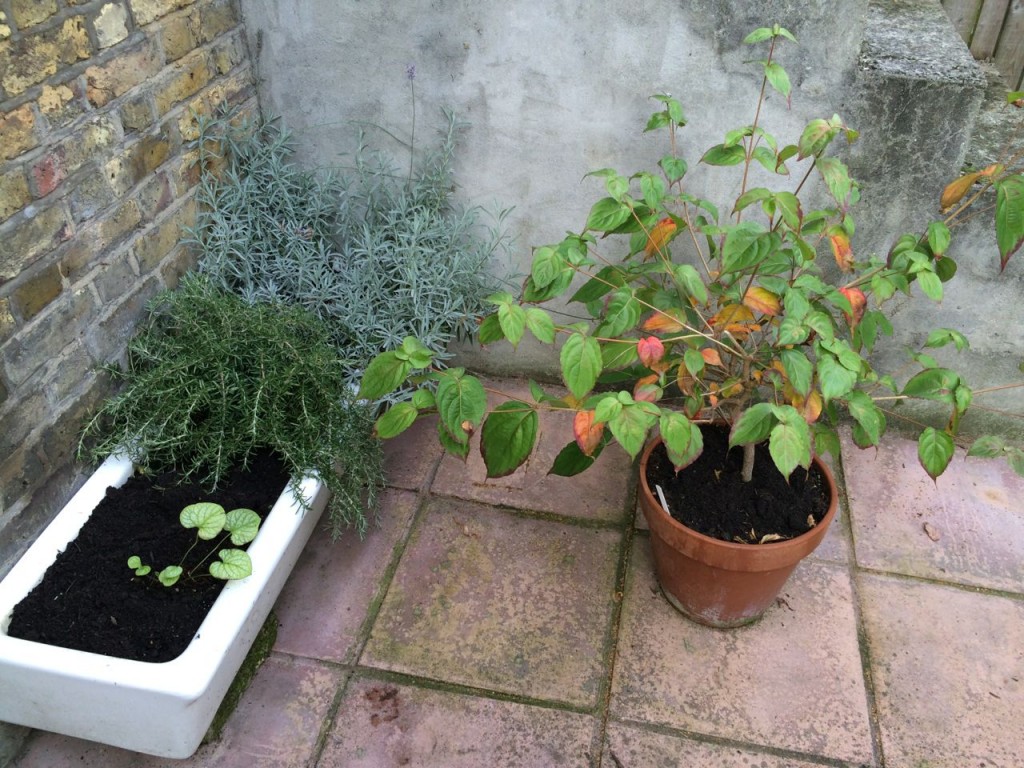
pixel 1009 217
pixel 674 168
pixel 450 444
pixel 788 206
pixel 490 331
pixel 722 155
pixel 208 517
pixel 1015 458
pixel 790 441
pixel 934 451
pixel 694 362
pixel 987 447
pixel 792 331
pixel 621 314
pixel 867 415
pixel 570 461
pixel 581 363
pixel 777 77
pixel 933 384
pixel 395 420
pixel 690 279
pixel 836 380
pixel 413 350
pixel 547 265
pixel 799 370
pixel 759 35
pixel 169 576
pixel 816 136
pixel 233 564
pixel 508 437
pixel 243 524
pixel 512 318
pixel 755 195
pixel 383 375
pixel 743 247
pixel 683 439
pixel 608 214
pixel 753 426
pixel 631 425
pixel 460 399
pixel 931 285
pixel 541 325
pixel 938 238
pixel 940 337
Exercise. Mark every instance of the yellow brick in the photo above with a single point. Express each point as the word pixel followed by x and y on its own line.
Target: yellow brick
pixel 17 134
pixel 189 76
pixel 28 13
pixel 111 24
pixel 33 59
pixel 216 18
pixel 109 81
pixel 5 29
pixel 59 105
pixel 37 291
pixel 178 35
pixel 31 238
pixel 14 194
pixel 147 11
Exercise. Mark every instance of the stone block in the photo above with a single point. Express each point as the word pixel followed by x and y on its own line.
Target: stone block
pixel 228 53
pixel 17 132
pixel 137 161
pixel 89 195
pixel 48 172
pixel 36 291
pixel 108 81
pixel 154 196
pixel 60 104
pixel 137 114
pixel 178 34
pixel 46 339
pixel 18 423
pixel 113 228
pixel 184 79
pixel 215 18
pixel 156 242
pixel 148 11
pixel 7 321
pixel 28 13
pixel 106 339
pixel 34 58
pixel 24 239
pixel 111 24
pixel 14 194
pixel 116 278
pixel 5 29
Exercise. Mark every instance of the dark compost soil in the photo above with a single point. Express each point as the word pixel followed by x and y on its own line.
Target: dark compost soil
pixel 710 497
pixel 90 600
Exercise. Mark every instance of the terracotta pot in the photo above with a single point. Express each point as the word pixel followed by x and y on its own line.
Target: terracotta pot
pixel 723 583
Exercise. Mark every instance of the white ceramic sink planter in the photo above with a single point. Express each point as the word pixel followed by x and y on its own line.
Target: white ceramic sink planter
pixel 161 709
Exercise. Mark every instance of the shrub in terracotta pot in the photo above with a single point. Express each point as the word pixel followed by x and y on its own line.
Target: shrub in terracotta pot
pixel 704 313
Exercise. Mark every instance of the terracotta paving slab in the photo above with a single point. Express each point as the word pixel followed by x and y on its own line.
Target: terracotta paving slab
pixel 488 599
pixel 948 669
pixel 974 511
pixel 325 600
pixel 627 745
pixel 275 725
pixel 409 460
pixel 381 724
pixel 600 493
pixel 792 681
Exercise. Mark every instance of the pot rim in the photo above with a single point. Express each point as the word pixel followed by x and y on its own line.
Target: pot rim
pixel 818 530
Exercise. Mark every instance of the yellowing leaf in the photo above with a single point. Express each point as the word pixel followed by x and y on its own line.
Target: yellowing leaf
pixel 762 300
pixel 732 314
pixel 664 322
pixel 659 235
pixel 587 433
pixel 841 250
pixel 955 190
pixel 858 301
pixel 711 356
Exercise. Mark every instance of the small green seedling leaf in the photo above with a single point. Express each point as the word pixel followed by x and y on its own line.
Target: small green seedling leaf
pixel 233 564
pixel 243 525
pixel 135 563
pixel 207 516
pixel 169 576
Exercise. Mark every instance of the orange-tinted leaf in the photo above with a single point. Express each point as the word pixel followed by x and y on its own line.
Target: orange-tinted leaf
pixel 650 350
pixel 732 314
pixel 809 407
pixel 664 322
pixel 660 234
pixel 955 190
pixel 762 300
pixel 685 381
pixel 858 301
pixel 647 393
pixel 841 250
pixel 587 433
pixel 711 356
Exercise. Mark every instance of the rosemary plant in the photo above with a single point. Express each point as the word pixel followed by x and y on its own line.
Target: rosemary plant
pixel 210 378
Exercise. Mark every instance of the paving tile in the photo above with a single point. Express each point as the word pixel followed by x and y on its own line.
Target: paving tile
pixel 382 724
pixel 791 681
pixel 278 720
pixel 410 458
pixel 600 493
pixel 948 671
pixel 51 750
pixel 488 599
pixel 627 745
pixel 325 600
pixel 973 510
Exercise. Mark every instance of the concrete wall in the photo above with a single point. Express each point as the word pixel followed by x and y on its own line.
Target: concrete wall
pixel 554 89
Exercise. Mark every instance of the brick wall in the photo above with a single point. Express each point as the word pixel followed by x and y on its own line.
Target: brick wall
pixel 96 182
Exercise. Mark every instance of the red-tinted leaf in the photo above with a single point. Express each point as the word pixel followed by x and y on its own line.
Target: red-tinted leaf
pixel 588 434
pixel 650 350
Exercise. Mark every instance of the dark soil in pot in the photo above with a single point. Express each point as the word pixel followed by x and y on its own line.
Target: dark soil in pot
pixel 90 600
pixel 710 497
